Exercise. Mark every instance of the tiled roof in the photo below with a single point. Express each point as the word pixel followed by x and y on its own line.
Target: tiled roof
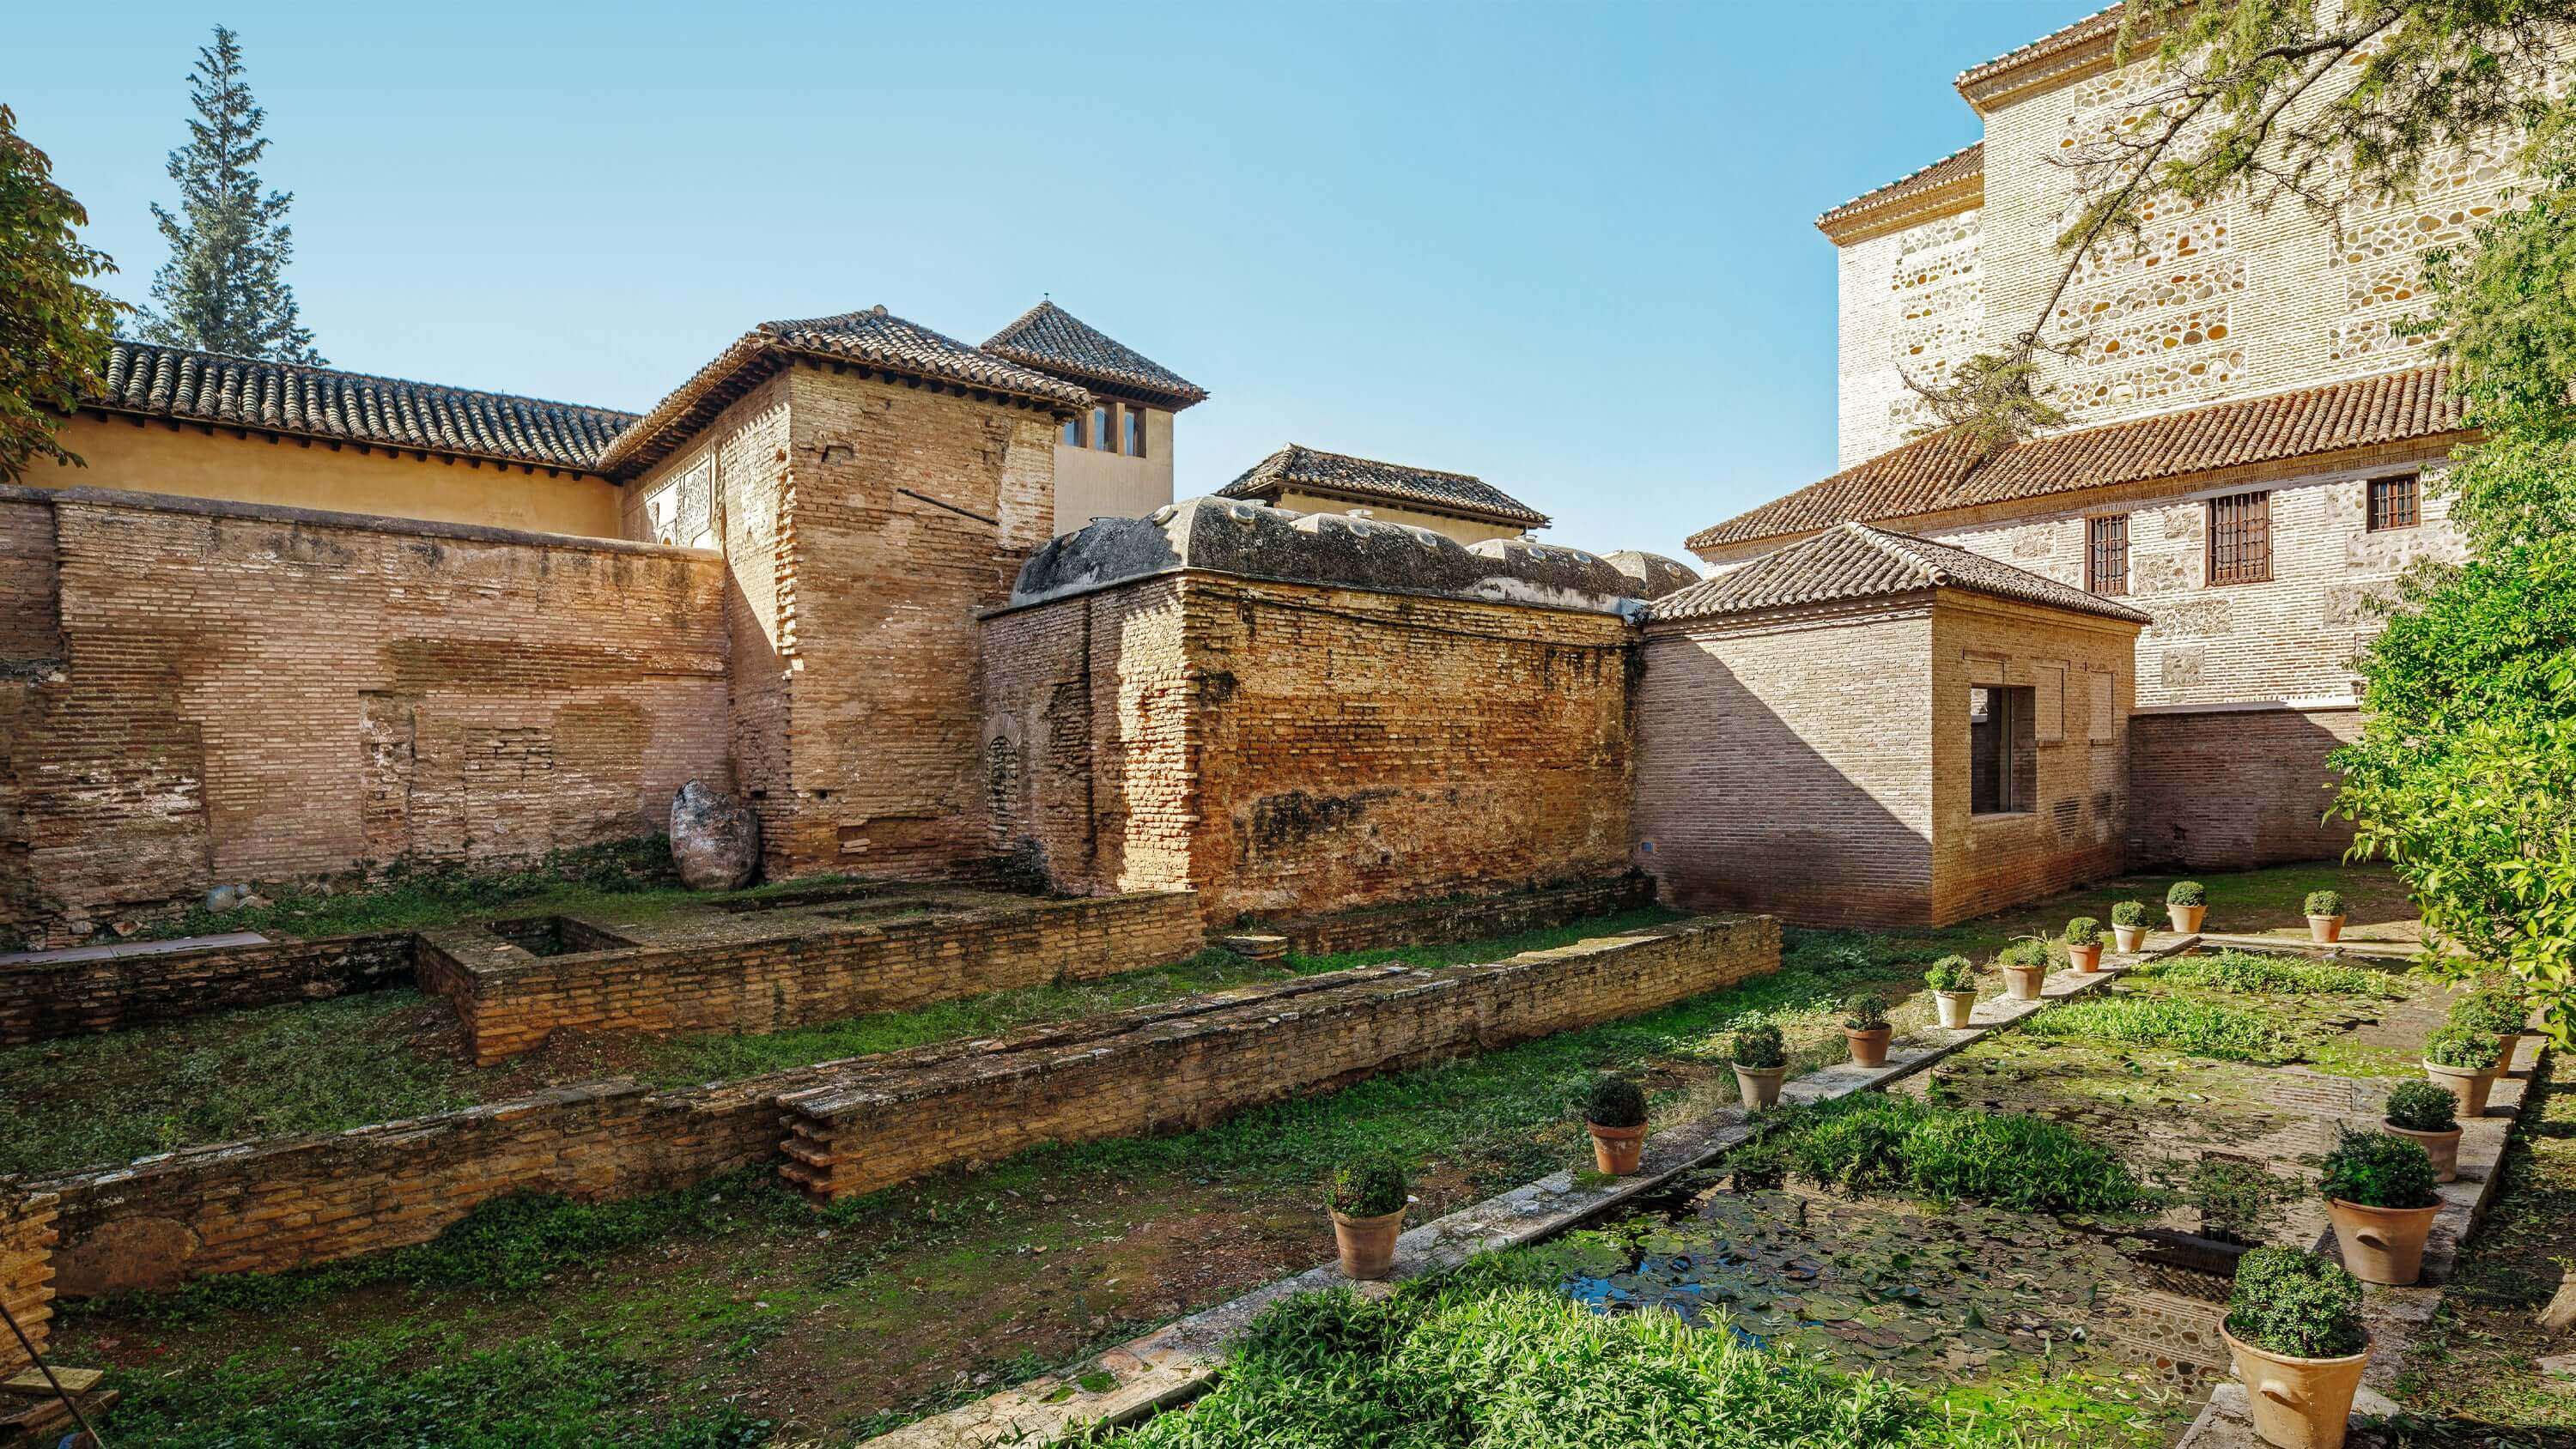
pixel 322 402
pixel 2102 22
pixel 1934 474
pixel 1368 480
pixel 874 338
pixel 1051 339
pixel 1959 165
pixel 1856 561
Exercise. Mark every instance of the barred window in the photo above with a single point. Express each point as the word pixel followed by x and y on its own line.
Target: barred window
pixel 2240 539
pixel 2106 565
pixel 2393 502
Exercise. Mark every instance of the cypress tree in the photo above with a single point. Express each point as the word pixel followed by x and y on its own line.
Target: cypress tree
pixel 224 288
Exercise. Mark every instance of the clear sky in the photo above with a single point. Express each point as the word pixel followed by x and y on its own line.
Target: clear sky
pixel 1568 248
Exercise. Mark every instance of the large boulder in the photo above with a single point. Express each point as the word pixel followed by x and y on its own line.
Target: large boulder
pixel 715 839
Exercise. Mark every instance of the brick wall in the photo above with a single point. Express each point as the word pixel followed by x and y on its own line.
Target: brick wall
pixel 27 1237
pixel 1297 748
pixel 509 1001
pixel 250 693
pixel 2234 788
pixel 1463 918
pixel 119 987
pixel 1182 1071
pixel 31 655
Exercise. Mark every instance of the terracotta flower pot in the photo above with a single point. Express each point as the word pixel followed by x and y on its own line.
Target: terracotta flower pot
pixel 2442 1147
pixel 1954 1007
pixel 2129 938
pixel 2504 1058
pixel 2381 1245
pixel 2468 1085
pixel 2325 929
pixel 2298 1403
pixel 2185 919
pixel 1760 1086
pixel 2085 958
pixel 1868 1048
pixel 1367 1244
pixel 2022 983
pixel 1615 1150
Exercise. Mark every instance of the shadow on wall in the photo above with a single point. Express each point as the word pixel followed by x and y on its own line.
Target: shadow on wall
pixel 1742 811
pixel 2230 789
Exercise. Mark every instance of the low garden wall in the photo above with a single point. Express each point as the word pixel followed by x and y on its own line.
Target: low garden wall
pixel 1464 918
pixel 26 1268
pixel 510 1000
pixel 108 988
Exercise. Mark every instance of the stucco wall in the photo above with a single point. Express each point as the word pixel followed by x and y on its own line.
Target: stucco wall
pixel 1091 483
pixel 1462 529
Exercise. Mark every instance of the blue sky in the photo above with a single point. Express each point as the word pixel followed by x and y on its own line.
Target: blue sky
pixel 1568 248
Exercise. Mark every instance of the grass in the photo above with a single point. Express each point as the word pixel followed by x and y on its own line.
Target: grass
pixel 2257 972
pixel 1871 1142
pixel 2199 1028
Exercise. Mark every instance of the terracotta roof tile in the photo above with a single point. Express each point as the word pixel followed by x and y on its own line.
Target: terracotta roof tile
pixel 1934 474
pixel 323 402
pixel 1053 340
pixel 1368 480
pixel 1856 561
pixel 2100 23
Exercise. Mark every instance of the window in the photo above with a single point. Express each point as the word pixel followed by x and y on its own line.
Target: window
pixel 1101 438
pixel 1073 433
pixel 1135 418
pixel 2106 563
pixel 2003 760
pixel 2240 539
pixel 2393 503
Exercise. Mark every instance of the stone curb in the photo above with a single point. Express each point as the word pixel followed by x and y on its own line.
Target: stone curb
pixel 1177 1362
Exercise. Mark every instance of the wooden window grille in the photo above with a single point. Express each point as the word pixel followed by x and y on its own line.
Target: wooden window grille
pixel 2240 539
pixel 2106 566
pixel 2395 502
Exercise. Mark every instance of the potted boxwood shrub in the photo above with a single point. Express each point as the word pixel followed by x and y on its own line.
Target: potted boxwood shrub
pixel 2379 1195
pixel 2185 903
pixel 2464 1062
pixel 1865 1027
pixel 2429 1117
pixel 2129 925
pixel 2025 968
pixel 1761 1063
pixel 2325 916
pixel 1367 1200
pixel 2294 1330
pixel 1615 1110
pixel 1954 989
pixel 2501 1008
pixel 2084 943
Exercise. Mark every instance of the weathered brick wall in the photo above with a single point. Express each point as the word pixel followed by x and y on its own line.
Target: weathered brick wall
pixel 255 693
pixel 1785 764
pixel 1463 918
pixel 44 999
pixel 27 1237
pixel 510 1001
pixel 2229 789
pixel 1183 1071
pixel 1296 748
pixel 31 654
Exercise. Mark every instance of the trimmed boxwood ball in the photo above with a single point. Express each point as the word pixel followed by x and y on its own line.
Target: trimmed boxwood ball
pixel 1761 1048
pixel 2296 1304
pixel 1951 973
pixel 2028 951
pixel 2457 1046
pixel 2187 893
pixel 1615 1101
pixel 2325 903
pixel 2422 1107
pixel 2129 913
pixel 2377 1170
pixel 2495 1009
pixel 1864 1012
pixel 2084 931
pixel 1368 1187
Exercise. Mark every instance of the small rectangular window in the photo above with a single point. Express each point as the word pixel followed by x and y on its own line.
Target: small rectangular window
pixel 1073 432
pixel 2240 539
pixel 2394 502
pixel 2106 563
pixel 1135 432
pixel 1103 439
pixel 2003 759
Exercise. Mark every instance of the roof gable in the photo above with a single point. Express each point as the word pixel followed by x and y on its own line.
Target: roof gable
pixel 1856 561
pixel 1051 339
pixel 1368 480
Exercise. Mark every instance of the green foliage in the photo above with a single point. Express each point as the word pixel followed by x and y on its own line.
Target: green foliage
pixel 2198 1027
pixel 2257 971
pixel 2026 951
pixel 2129 913
pixel 2500 1010
pixel 2186 893
pixel 2084 931
pixel 1864 1012
pixel 1368 1187
pixel 2297 1304
pixel 54 326
pixel 2457 1046
pixel 1614 1101
pixel 1951 973
pixel 1760 1047
pixel 2422 1107
pixel 224 288
pixel 2325 903
pixel 2239 1201
pixel 1872 1142
pixel 2374 1169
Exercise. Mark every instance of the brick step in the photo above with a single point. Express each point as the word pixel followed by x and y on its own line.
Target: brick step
pixel 815 1184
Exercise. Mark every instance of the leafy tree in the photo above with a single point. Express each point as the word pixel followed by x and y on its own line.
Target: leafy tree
pixel 224 288
pixel 54 326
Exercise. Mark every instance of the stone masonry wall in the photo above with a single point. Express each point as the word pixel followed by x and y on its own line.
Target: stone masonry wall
pixel 27 1238
pixel 112 988
pixel 246 692
pixel 1912 305
pixel 2229 789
